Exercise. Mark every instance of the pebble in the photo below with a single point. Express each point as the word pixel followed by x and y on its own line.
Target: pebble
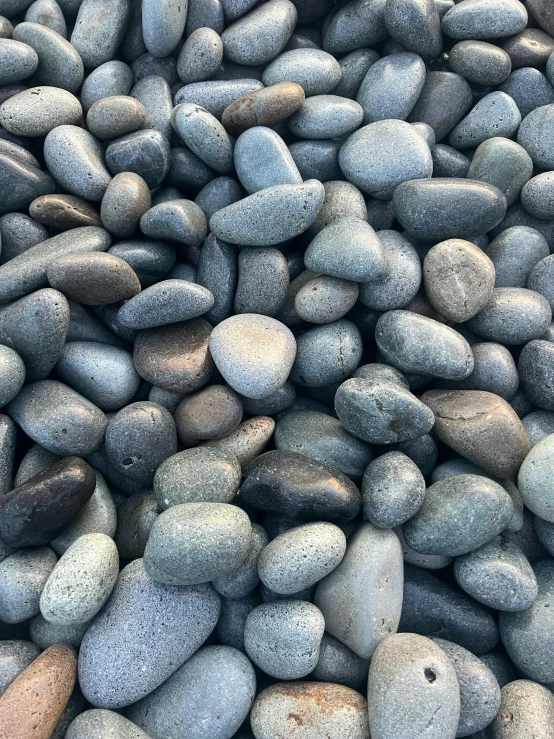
pixel 355 27
pixel 260 35
pixel 525 707
pixel 216 95
pixel 110 668
pixel 12 374
pixel 513 316
pixel 38 510
pixel 317 159
pixel 81 582
pixel 444 100
pixel 154 94
pixel 458 514
pixel 35 112
pixel 19 61
pixel 514 253
pixel 263 281
pixel 64 212
pixel 402 276
pixel 21 183
pixel 204 135
pixel 412 686
pixel 495 114
pixel 23 575
pixel 480 62
pixel 262 159
pixel 283 638
pixel 125 201
pixel 327 354
pixel 316 71
pixel 393 490
pixel 19 233
pixel 266 107
pixel 145 152
pixel 210 695
pixel 529 48
pixel 535 370
pixel 248 441
pixel 200 56
pixel 310 708
pixel 169 301
pixel 485 19
pixel 494 371
pixel 502 163
pixel 533 479
pixel 108 80
pixel 217 194
pixel 48 13
pixel 99 29
pixel 15 656
pixel 163 23
pixel 242 581
pixel 529 88
pixel 45 634
pixel 97 723
pixel 115 116
pixel 93 278
pixel 33 704
pixel 534 135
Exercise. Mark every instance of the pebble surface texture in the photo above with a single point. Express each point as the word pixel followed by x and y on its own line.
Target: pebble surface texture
pixel 276 369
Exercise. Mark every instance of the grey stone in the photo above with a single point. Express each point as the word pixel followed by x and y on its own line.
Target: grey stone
pixel 535 135
pixel 325 116
pixel 448 162
pixel 135 518
pixel 19 232
pixel 533 479
pixel 267 107
pixel 204 135
pixel 21 183
pixel 283 638
pixel 317 159
pixel 485 19
pixel 380 156
pixel 210 696
pixel 316 71
pixel 262 159
pixel 234 612
pixel 426 561
pixel 258 220
pixel 178 220
pixel 8 442
pixel 538 424
pixel 355 25
pixel 12 374
pixel 154 93
pixel 58 418
pixel 495 114
pixel 47 13
pixel 529 89
pixel 536 367
pixel 125 201
pixel 494 371
pixel 243 580
pixel 431 607
pixel 150 260
pixel 391 87
pixel 514 253
pixel 258 37
pixel 327 354
pixel 525 707
pixel 15 656
pixel 502 163
pixel 480 62
pixel 537 196
pixel 248 441
pixel 36 460
pixel 85 326
pixel 518 216
pixel 98 723
pixel 211 413
pixel 529 48
pixel 201 54
pixel 263 281
pixel 500 665
pixel 540 278
pixel 393 490
pixel 354 67
pixel 146 152
pixel 115 116
pixel 218 194
pixel 512 316
pixel 200 475
pixel 60 65
pixel 404 669
pixel 325 299
pixel 416 26
pixel 81 582
pixel 99 29
pixel 175 555
pixel 22 578
pixel 18 61
pixel 148 65
pixel 372 565
pixel 421 345
pixel 64 212
pixel 401 280
pixel 339 664
pixel 444 100
pixel 163 24
pixel 216 95
pixel 217 271
pixel 109 79
pixel 342 200
pixel 168 301
pixel 45 634
pixel 459 514
pixel 323 438
pixel 111 667
pixel 275 404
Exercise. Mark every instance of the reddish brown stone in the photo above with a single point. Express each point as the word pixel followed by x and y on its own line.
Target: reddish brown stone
pixel 265 107
pixel 32 705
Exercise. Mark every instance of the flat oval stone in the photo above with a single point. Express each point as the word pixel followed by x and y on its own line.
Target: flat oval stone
pixel 175 555
pixel 64 212
pixel 524 707
pixel 485 19
pixel 481 427
pixel 527 635
pixel 300 487
pixel 22 578
pixel 496 114
pixel 263 281
pixel 34 703
pixel 216 95
pixel 110 668
pixel 48 13
pixel 248 441
pixel 459 514
pixel 15 656
pixel 258 220
pixel 98 722
pixel 76 160
pixel 372 564
pixel 355 26
pixel 99 29
pixel 514 253
pixel 58 418
pixel 420 345
pixel 200 475
pixel 35 112
pixel 535 135
pixel 211 413
pixel 109 79
pixel 262 159
pixel 111 117
pixel 534 477
pixel 416 26
pixel 444 100
pixel 512 316
pixel 93 278
pixel 317 72
pixel 146 152
pixel 169 301
pixel 380 156
pixel 239 347
pixel 163 23
pixel 200 56
pixel 259 36
pixel 266 107
pixel 37 511
pixel 498 575
pixel 178 220
pixel 480 62
pixel 325 117
pixel 18 61
pixel 454 208
pixel 175 357
pixel 81 582
pixel 310 707
pixel 154 94
pixel 404 669
pixel 21 183
pixel 60 65
pixel 325 299
pixel 125 201
pixel 393 490
pixel 204 135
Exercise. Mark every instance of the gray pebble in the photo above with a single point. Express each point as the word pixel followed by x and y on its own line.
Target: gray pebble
pixel 12 374
pixel 58 418
pixel 258 37
pixel 98 723
pixel 81 581
pixel 201 55
pixel 485 19
pixel 85 326
pixel 211 413
pixel 154 93
pixel 535 366
pixel 393 490
pixel 204 14
pixel 514 253
pixel 18 61
pixel 275 404
pixel 243 580
pixel 217 194
pixel 262 159
pixel 135 518
pixel 502 163
pixel 354 26
pixel 204 135
pixel 363 161
pixel 209 696
pixel 109 79
pixel 354 67
pixel 150 260
pixel 538 424
pixel 526 709
pixel 45 634
pixel 402 276
pixel 325 299
pixel 494 115
pixel 283 638
pixel 425 561
pixel 494 371
pixel 216 95
pixel 497 575
pixel 500 665
pixel 444 100
pixel 173 554
pixel 163 24
pixel 327 354
pixel 533 479
pixel 537 196
pixel 146 152
pixel 234 612
pixel 99 29
pixel 412 686
pixel 178 220
pixel 338 664
pixel 21 183
pixel 35 460
pixel 200 475
pixel 529 89
pixel 168 301
pixel 317 159
pixel 325 117
pixel 529 48
pixel 125 201
pixel 19 232
pixel 317 72
pixel 111 668
pixel 262 282
pixel 416 26
pixel 480 62
pixel 47 13
pixel 342 200
pixel 187 172
pixel 60 65
pixel 535 135
pixel 372 564
pixel 115 116
pixel 15 656
pixel 512 316
pixel 23 575
pixel 248 441
pixel 104 374
pixel 35 112
pixel 448 162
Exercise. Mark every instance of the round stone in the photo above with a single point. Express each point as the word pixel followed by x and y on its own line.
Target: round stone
pixel 17 61
pixel 393 490
pixel 23 575
pixel 534 479
pixel 93 278
pixel 535 135
pixel 260 35
pixel 480 62
pixel 266 107
pixel 485 19
pixel 316 71
pixel 513 316
pixel 98 722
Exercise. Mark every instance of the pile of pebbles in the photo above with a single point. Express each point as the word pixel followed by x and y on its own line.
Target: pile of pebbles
pixel 276 369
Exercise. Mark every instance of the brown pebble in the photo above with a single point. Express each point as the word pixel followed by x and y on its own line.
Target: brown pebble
pixel 265 107
pixel 32 705
pixel 64 212
pixel 480 426
pixel 93 278
pixel 175 357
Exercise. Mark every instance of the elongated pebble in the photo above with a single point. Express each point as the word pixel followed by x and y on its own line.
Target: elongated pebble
pixel 99 29
pixel 259 36
pixel 216 95
pixel 266 107
pixel 204 135
pixel 262 159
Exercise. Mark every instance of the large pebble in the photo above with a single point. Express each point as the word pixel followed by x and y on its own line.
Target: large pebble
pixel 38 110
pixel 145 152
pixel 211 413
pixel 512 316
pixel 485 19
pixel 494 115
pixel 204 135
pixel 262 159
pixel 535 135
pixel 525 707
pixel 248 441
pixel 534 479
pixel 93 278
pixel 502 163
pixel 416 25
pixel 259 36
pixel 200 56
pixel 242 581
pixel 399 283
pixel 356 25
pixel 325 117
pixel 266 107
pixel 48 13
pixel 23 575
pixel 18 61
pixel 99 29
pixel 393 490
pixel 163 23
pixel 178 220
pixel 125 636
pixel 263 281
pixel 98 723
pixel 15 656
pixel 317 72
pixel 12 374
pixel 21 183
pixel 216 95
